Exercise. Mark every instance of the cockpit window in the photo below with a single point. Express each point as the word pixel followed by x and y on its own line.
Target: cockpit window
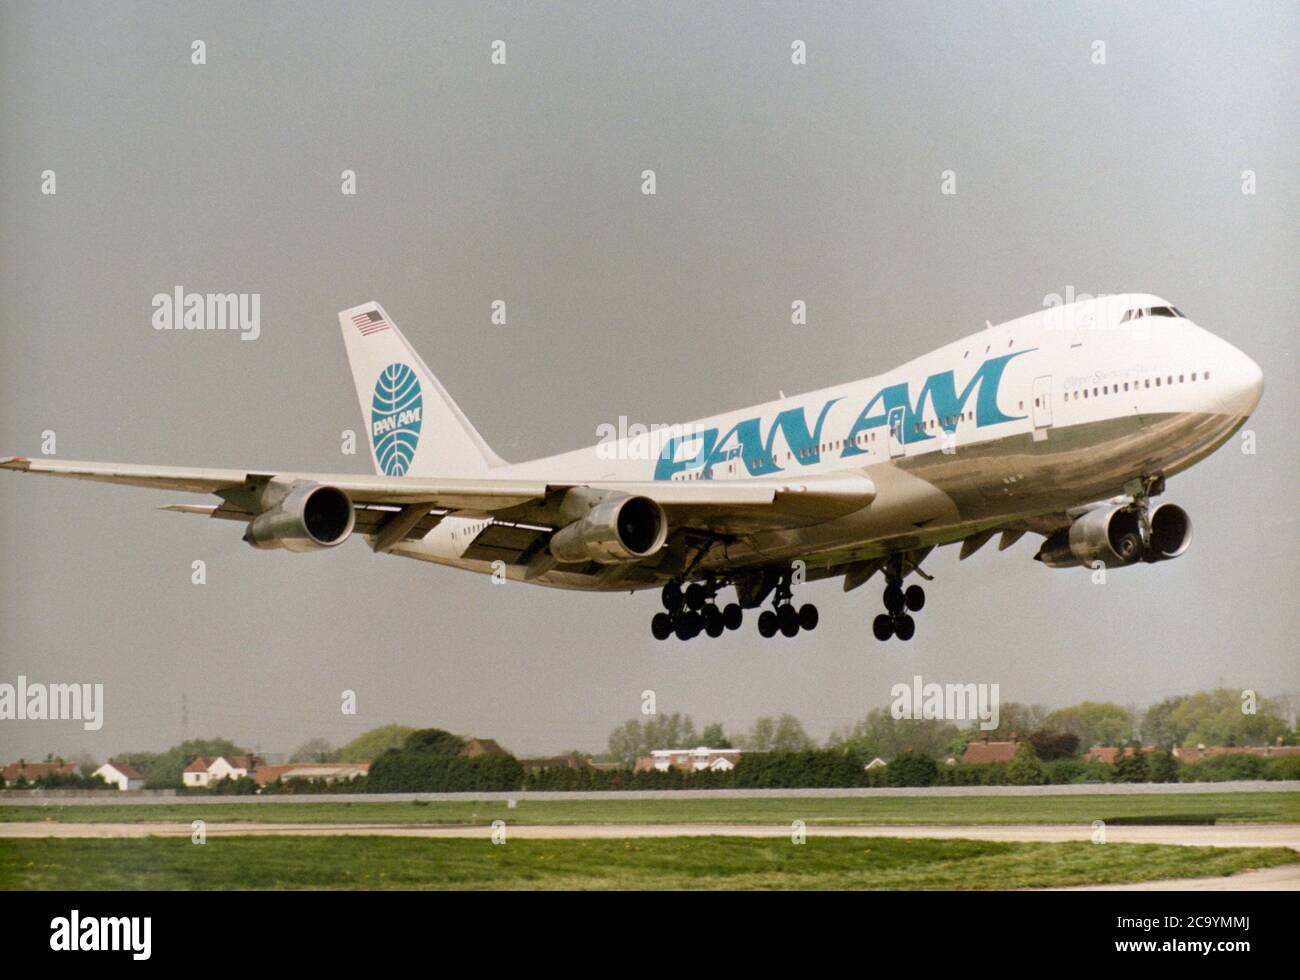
pixel 1171 311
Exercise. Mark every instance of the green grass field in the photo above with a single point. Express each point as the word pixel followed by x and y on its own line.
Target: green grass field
pixel 1280 807
pixel 663 863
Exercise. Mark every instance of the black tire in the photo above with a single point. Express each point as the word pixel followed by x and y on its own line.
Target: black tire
pixel 714 627
pixel 696 595
pixel 894 599
pixel 689 626
pixel 788 620
pixel 905 627
pixel 672 597
pixel 732 616
pixel 712 616
pixel 882 627
pixel 808 617
pixel 914 598
pixel 661 626
pixel 767 624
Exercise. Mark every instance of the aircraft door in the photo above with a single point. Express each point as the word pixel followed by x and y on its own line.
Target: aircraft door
pixel 1042 405
pixel 896 444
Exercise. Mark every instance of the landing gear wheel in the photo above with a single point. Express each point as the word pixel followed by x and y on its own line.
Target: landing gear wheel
pixel 904 627
pixel 914 598
pixel 883 627
pixel 713 625
pixel 732 616
pixel 696 595
pixel 808 617
pixel 689 625
pixel 767 624
pixel 788 620
pixel 672 597
pixel 894 599
pixel 661 626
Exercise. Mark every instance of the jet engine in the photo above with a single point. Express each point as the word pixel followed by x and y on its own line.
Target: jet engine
pixel 619 527
pixel 309 517
pixel 1171 533
pixel 1113 536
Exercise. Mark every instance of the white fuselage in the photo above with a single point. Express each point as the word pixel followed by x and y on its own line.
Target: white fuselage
pixel 1050 411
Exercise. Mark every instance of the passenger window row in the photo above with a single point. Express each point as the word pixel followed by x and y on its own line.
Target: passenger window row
pixel 944 421
pixel 1144 383
pixel 862 439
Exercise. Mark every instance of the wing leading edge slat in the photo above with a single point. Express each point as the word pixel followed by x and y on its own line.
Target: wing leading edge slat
pixel 722 506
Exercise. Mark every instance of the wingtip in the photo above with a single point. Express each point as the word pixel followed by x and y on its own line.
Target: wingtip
pixel 14 462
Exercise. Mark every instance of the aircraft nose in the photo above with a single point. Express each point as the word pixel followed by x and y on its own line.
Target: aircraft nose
pixel 1243 383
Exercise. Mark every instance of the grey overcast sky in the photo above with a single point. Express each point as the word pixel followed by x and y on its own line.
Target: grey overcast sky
pixel 521 182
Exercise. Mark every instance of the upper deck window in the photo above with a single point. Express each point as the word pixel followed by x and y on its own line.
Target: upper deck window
pixel 1171 311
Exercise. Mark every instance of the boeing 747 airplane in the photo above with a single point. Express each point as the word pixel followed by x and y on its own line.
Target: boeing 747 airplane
pixel 1064 423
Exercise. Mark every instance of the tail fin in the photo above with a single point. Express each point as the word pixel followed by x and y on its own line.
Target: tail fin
pixel 415 428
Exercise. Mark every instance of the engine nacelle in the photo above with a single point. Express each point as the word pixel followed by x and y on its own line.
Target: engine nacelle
pixel 1171 533
pixel 617 528
pixel 1113 536
pixel 1110 535
pixel 309 517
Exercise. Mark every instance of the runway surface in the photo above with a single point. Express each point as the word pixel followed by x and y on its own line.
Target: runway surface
pixel 1221 835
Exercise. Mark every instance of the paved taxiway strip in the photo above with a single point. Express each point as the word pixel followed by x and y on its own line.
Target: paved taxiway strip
pixel 1220 835
pixel 1283 879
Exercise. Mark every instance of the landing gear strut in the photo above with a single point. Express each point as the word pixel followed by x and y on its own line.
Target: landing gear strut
pixel 1143 489
pixel 694 610
pixel 895 621
pixel 783 617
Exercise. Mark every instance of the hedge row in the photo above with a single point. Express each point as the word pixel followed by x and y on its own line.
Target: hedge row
pixel 416 772
pixel 413 772
pixel 564 779
pixel 835 769
pixel 1222 768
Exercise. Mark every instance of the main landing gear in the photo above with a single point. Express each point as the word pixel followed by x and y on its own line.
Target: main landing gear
pixel 783 617
pixel 895 621
pixel 694 610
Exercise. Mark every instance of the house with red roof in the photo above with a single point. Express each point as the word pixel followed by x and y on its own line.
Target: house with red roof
pixel 206 770
pixel 319 772
pixel 119 774
pixel 32 771
pixel 986 751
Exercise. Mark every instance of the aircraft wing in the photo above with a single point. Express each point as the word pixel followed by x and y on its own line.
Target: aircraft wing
pixel 723 506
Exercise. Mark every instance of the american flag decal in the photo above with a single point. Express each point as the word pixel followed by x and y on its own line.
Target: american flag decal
pixel 372 321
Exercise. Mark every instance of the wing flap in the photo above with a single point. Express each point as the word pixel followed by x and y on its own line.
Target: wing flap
pixel 514 544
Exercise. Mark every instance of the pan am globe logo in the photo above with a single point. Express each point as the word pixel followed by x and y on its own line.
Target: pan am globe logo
pixel 395 415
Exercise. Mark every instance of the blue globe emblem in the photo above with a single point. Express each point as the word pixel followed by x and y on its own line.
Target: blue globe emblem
pixel 395 416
